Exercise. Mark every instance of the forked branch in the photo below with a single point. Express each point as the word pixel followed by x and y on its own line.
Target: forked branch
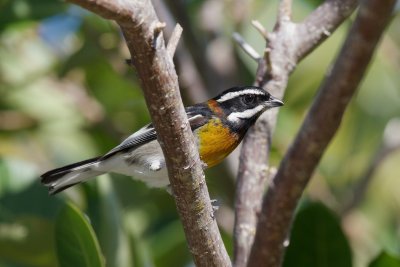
pixel 318 129
pixel 286 46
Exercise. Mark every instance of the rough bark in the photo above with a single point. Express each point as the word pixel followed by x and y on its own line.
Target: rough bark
pixel 143 34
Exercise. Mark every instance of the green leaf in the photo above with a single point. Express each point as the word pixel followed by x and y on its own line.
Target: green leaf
pixel 317 239
pixel 76 242
pixel 27 241
pixel 385 260
pixel 105 212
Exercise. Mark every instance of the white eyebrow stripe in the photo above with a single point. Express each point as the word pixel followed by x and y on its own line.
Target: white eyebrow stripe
pixel 246 114
pixel 232 95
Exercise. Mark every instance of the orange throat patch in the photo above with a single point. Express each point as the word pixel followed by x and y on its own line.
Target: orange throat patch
pixel 216 142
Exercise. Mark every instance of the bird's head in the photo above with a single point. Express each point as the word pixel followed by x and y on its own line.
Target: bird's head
pixel 243 105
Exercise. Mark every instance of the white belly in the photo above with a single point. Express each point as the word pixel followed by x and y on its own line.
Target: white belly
pixel 140 165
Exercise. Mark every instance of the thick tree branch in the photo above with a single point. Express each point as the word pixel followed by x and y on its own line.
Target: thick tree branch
pixel 286 46
pixel 285 11
pixel 155 68
pixel 318 129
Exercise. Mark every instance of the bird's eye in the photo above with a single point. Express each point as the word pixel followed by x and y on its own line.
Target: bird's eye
pixel 249 99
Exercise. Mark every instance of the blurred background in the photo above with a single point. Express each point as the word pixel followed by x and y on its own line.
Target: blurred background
pixel 66 94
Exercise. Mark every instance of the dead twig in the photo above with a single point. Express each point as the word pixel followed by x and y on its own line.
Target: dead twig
pixel 246 47
pixel 174 40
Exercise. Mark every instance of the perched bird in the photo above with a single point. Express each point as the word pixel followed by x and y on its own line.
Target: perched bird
pixel 218 124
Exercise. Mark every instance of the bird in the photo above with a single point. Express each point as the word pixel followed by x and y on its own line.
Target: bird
pixel 218 125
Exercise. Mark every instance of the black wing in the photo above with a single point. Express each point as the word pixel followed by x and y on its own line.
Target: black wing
pixel 148 134
pixel 141 137
pixel 198 115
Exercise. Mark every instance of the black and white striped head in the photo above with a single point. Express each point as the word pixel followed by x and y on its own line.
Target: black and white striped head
pixel 243 105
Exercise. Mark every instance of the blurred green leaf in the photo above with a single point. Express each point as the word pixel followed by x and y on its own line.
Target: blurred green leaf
pixel 76 242
pixel 313 3
pixel 26 227
pixel 385 260
pixel 12 167
pixel 14 11
pixel 27 241
pixel 317 239
pixel 134 224
pixel 106 214
pixel 165 253
pixel 34 200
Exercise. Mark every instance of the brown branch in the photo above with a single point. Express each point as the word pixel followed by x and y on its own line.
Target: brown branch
pixel 318 129
pixel 174 40
pixel 139 25
pixel 321 23
pixel 286 46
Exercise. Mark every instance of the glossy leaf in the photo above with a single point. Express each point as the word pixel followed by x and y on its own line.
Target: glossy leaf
pixel 76 242
pixel 317 239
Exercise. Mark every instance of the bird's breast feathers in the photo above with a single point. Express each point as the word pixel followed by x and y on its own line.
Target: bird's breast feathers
pixel 215 142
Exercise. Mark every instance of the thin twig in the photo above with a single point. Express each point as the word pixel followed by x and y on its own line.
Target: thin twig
pixel 246 47
pixel 140 27
pixel 260 28
pixel 174 40
pixel 318 129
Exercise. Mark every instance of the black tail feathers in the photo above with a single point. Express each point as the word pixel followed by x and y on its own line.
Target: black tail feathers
pixel 54 179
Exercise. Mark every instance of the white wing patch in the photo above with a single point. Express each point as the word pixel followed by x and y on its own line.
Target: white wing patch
pixel 236 116
pixel 232 95
pixel 155 165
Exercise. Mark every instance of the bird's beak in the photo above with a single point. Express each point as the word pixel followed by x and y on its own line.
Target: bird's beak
pixel 274 102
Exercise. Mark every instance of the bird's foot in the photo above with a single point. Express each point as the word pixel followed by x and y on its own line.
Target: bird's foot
pixel 215 207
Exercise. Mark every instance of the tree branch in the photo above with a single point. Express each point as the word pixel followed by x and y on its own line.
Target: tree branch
pixel 174 40
pixel 141 29
pixel 321 23
pixel 260 28
pixel 286 46
pixel 285 11
pixel 248 49
pixel 318 129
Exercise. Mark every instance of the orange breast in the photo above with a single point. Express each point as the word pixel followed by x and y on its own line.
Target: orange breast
pixel 215 142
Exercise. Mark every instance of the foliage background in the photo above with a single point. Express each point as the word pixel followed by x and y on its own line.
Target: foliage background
pixel 66 94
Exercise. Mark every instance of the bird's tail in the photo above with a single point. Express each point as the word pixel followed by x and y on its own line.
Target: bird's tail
pixel 60 179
